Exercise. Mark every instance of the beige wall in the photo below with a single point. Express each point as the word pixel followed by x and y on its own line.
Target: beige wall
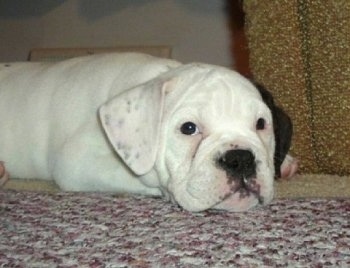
pixel 196 29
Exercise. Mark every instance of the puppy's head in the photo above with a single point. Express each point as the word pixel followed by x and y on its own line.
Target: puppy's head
pixel 207 133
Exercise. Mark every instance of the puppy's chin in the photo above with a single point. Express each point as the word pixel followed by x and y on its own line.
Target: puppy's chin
pixel 241 200
pixel 236 203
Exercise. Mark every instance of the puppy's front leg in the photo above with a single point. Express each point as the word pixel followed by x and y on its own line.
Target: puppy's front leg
pixel 3 174
pixel 289 167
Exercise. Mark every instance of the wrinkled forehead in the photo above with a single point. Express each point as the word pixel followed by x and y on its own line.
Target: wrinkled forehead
pixel 211 85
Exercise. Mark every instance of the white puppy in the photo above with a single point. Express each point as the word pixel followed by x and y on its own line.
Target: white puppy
pixel 200 135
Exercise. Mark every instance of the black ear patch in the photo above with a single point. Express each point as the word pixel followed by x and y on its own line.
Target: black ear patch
pixel 283 129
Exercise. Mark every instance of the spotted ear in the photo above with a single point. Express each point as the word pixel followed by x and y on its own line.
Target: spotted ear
pixel 132 122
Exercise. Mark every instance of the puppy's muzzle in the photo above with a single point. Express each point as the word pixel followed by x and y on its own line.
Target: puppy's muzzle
pixel 239 165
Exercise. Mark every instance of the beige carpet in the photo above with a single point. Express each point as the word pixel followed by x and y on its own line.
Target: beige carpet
pixel 314 186
pixel 301 186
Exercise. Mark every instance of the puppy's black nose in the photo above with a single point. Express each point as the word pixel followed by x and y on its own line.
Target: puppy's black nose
pixel 238 163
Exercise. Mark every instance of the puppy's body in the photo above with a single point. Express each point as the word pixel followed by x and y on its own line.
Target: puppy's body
pixel 50 129
pixel 47 105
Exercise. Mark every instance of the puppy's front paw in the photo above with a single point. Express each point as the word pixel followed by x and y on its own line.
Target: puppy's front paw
pixel 3 174
pixel 289 167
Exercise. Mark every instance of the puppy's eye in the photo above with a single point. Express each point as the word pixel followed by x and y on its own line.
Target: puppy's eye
pixel 260 124
pixel 189 128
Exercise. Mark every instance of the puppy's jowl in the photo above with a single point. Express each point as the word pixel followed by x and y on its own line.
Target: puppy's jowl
pixel 200 135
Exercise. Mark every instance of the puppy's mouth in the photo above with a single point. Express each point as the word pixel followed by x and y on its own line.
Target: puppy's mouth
pixel 245 188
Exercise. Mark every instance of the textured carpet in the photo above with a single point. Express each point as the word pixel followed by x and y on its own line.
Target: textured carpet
pixel 97 230
pixel 307 225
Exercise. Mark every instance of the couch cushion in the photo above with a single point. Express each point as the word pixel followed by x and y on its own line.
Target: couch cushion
pixel 300 50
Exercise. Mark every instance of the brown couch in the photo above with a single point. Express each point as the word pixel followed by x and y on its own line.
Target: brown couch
pixel 300 50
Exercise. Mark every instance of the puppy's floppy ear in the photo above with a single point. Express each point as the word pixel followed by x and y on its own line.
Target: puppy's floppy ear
pixel 132 122
pixel 283 129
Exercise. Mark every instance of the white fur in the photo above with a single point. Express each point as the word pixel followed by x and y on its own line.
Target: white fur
pixel 50 127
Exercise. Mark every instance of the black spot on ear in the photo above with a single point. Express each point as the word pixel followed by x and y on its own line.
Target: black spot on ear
pixel 7 65
pixel 283 128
